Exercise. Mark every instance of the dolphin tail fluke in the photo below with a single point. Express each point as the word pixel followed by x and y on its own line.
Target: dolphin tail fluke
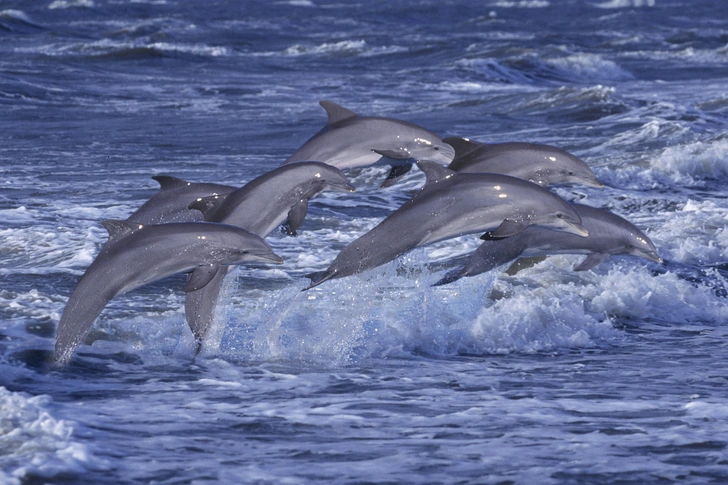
pixel 395 174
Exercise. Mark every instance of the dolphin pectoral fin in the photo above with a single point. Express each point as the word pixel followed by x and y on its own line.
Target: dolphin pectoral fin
pixel 200 277
pixel 591 261
pixel 523 263
pixel 206 205
pixel 295 217
pixel 200 305
pixel 462 146
pixel 395 173
pixel 434 172
pixel 336 113
pixel 120 229
pixel 167 182
pixel 506 229
pixel 393 154
pixel 319 277
pixel 451 276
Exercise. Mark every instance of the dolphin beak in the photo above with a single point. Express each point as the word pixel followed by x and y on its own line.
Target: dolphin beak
pixel 591 181
pixel 574 228
pixel 268 257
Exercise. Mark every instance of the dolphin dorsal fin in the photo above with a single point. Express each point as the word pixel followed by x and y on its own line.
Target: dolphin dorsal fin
pixel 120 229
pixel 167 182
pixel 462 146
pixel 207 205
pixel 434 172
pixel 336 113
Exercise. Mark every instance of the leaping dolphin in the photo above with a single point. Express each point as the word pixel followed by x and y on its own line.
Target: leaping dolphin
pixel 171 203
pixel 541 164
pixel 451 205
pixel 609 234
pixel 136 255
pixel 259 207
pixel 350 140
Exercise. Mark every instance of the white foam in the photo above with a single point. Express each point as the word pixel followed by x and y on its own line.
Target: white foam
pixel 696 234
pixel 588 67
pixel 522 4
pixel 626 3
pixel 687 164
pixel 63 4
pixel 35 444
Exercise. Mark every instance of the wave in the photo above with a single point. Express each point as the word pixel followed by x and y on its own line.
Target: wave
pixel 64 4
pixel 626 3
pixel 35 446
pixel 344 48
pixel 128 50
pixel 17 21
pixel 529 69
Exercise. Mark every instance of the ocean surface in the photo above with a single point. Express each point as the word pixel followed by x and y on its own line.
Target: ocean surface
pixel 616 375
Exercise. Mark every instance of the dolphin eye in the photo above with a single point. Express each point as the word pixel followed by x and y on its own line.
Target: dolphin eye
pixel 436 149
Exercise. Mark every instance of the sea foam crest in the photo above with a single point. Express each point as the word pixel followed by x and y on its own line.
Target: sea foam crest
pixel 62 4
pixel 696 234
pixel 694 161
pixel 35 444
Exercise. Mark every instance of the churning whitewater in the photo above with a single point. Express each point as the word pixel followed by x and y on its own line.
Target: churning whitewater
pixel 533 374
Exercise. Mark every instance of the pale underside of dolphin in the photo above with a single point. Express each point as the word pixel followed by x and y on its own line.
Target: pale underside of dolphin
pixel 541 164
pixel 452 205
pixel 171 202
pixel 260 207
pixel 609 234
pixel 136 255
pixel 350 140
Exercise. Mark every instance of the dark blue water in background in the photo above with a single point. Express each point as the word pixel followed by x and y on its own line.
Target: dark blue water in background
pixel 615 375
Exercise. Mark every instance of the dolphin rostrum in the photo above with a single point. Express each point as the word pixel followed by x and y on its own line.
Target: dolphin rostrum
pixel 451 205
pixel 609 234
pixel 171 203
pixel 136 255
pixel 541 164
pixel 260 206
pixel 350 140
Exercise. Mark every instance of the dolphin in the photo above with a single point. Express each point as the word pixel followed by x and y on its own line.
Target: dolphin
pixel 609 234
pixel 137 254
pixel 541 164
pixel 260 206
pixel 171 203
pixel 350 140
pixel 450 205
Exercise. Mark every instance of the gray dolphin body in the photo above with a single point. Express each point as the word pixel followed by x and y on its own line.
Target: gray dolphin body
pixel 259 207
pixel 609 234
pixel 541 164
pixel 136 255
pixel 171 203
pixel 451 205
pixel 349 140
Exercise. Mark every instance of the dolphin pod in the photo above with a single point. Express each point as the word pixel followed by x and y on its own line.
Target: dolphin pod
pixel 609 234
pixel 259 207
pixel 136 255
pixel 497 190
pixel 451 205
pixel 350 140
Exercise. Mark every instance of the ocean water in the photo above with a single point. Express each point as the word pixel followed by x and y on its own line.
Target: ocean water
pixel 614 375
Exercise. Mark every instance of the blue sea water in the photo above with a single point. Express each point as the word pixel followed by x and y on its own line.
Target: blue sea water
pixel 614 375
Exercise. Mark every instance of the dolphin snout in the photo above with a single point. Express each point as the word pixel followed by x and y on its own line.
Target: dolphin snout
pixel 576 229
